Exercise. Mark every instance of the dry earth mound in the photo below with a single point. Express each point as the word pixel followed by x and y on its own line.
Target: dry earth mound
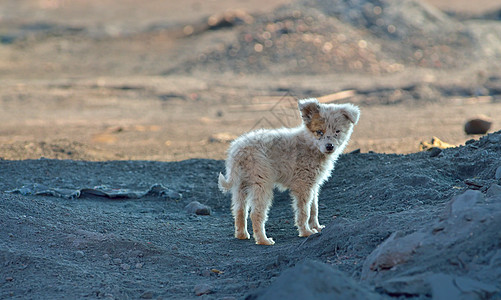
pixel 325 36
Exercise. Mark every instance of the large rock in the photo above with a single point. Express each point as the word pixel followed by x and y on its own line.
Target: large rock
pixel 313 280
pixel 464 241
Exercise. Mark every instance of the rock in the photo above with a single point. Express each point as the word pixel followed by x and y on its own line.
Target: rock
pixel 198 208
pixel 434 143
pixel 463 202
pixel 203 289
pixel 158 189
pixel 494 191
pixel 146 295
pixel 406 285
pixel 445 287
pixel 395 250
pixel 313 280
pixel 404 264
pixel 479 125
pixel 435 151
pixel 125 267
pixel 473 287
pixel 117 261
pixel 442 287
pixel 79 254
pixel 498 173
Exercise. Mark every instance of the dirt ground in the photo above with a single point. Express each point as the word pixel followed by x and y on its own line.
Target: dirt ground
pixel 126 96
pixel 92 87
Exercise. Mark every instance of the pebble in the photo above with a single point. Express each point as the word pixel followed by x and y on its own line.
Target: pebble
pixel 435 151
pixel 198 208
pixel 206 273
pixel 117 261
pixel 79 254
pixel 146 295
pixel 202 289
pixel 498 173
pixel 125 267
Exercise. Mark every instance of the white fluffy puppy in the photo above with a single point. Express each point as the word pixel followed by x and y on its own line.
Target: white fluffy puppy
pixel 299 159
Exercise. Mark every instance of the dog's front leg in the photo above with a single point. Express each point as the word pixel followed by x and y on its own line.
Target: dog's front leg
pixel 302 205
pixel 313 222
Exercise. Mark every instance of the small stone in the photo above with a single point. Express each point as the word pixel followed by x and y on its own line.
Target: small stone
pixel 117 261
pixel 198 208
pixel 479 125
pixel 206 273
pixel 80 254
pixel 498 173
pixel 202 289
pixel 435 151
pixel 125 267
pixel 9 279
pixel 139 265
pixel 146 295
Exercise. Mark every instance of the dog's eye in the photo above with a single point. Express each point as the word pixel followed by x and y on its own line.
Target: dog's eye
pixel 338 131
pixel 320 132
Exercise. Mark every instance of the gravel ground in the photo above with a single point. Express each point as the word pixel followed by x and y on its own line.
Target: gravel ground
pixel 96 247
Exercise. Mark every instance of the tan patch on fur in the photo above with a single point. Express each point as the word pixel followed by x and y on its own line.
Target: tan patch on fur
pixel 317 123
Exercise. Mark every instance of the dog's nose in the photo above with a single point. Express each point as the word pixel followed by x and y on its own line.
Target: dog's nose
pixel 329 147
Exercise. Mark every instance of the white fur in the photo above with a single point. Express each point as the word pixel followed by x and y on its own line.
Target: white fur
pixel 298 159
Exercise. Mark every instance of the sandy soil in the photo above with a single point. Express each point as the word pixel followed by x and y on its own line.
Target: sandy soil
pixel 111 94
pixel 74 88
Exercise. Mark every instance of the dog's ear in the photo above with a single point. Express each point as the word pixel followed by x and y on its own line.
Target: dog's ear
pixel 308 108
pixel 351 112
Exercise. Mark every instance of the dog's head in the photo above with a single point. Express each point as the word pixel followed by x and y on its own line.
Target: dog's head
pixel 329 125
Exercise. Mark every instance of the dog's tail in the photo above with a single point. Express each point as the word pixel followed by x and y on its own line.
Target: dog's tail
pixel 224 184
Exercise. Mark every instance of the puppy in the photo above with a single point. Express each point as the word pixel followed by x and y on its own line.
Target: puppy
pixel 298 159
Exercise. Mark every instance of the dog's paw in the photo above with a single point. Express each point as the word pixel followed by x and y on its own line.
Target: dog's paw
pixel 318 227
pixel 306 233
pixel 242 235
pixel 267 242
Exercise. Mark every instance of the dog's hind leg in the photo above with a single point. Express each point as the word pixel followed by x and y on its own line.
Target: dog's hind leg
pixel 240 209
pixel 302 205
pixel 260 204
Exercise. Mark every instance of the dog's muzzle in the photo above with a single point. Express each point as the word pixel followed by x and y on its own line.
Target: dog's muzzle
pixel 329 147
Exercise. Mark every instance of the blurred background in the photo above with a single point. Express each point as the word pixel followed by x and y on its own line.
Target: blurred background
pixel 173 80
